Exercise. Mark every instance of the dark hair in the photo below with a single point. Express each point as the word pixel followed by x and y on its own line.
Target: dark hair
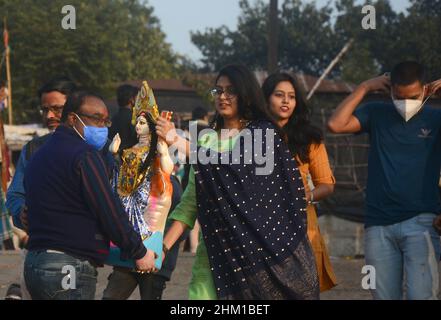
pixel 153 142
pixel 198 113
pixel 299 131
pixel 125 93
pixel 408 72
pixel 61 84
pixel 74 102
pixel 2 84
pixel 251 103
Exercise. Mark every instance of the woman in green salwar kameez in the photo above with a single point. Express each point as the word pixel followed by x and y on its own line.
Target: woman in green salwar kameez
pixel 201 285
pixel 253 243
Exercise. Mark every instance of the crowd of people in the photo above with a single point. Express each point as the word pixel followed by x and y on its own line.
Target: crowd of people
pixel 255 236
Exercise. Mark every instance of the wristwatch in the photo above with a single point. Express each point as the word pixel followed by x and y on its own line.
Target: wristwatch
pixel 165 249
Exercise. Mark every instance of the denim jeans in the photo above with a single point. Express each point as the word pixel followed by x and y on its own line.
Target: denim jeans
pixel 407 250
pixel 51 275
pixel 122 283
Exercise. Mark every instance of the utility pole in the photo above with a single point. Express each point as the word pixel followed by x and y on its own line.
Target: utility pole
pixel 273 37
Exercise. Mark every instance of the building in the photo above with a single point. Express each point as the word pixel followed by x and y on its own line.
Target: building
pixel 171 95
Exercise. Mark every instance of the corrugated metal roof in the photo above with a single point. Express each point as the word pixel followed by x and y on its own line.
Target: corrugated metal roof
pixel 163 85
pixel 307 81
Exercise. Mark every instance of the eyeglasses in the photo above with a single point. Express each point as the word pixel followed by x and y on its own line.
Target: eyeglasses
pixel 54 109
pixel 230 92
pixel 97 120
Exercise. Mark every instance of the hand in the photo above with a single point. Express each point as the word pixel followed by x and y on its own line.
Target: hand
pixel 23 241
pixel 146 263
pixel 437 224
pixel 381 83
pixel 162 147
pixel 166 130
pixel 24 219
pixel 434 88
pixel 116 142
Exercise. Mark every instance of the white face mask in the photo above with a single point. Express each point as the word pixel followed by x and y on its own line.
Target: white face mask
pixel 407 108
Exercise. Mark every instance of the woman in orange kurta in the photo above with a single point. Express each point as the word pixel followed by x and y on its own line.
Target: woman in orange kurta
pixel 286 103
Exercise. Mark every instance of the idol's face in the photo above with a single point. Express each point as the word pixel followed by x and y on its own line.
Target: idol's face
pixel 142 126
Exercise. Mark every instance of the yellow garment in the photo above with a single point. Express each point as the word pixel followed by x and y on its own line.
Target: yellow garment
pixel 145 103
pixel 130 176
pixel 320 171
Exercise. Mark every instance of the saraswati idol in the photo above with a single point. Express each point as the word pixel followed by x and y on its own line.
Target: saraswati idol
pixel 142 181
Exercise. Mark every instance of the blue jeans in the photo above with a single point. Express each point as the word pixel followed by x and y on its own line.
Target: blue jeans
pixel 412 248
pixel 59 276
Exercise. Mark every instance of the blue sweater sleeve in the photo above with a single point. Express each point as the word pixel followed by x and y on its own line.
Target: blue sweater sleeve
pixel 15 196
pixel 108 209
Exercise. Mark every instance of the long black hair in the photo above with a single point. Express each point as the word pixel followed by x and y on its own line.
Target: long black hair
pixel 153 142
pixel 299 131
pixel 251 103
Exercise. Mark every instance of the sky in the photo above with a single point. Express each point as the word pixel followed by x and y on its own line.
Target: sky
pixel 179 17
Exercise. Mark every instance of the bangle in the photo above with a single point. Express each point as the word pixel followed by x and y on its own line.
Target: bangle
pixel 164 249
pixel 311 199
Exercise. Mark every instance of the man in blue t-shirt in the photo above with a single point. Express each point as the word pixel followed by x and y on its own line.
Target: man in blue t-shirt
pixel 402 198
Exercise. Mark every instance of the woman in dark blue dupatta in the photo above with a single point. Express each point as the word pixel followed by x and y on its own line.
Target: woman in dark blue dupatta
pixel 250 201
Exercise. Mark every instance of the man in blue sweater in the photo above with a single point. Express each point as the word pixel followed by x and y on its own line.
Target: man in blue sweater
pixel 52 96
pixel 72 211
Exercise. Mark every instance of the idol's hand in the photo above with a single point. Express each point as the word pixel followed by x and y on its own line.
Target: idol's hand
pixel 116 142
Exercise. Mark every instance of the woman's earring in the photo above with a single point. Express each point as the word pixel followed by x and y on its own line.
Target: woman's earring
pixel 214 125
pixel 243 123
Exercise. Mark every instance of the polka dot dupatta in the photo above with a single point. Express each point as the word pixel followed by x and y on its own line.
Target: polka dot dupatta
pixel 254 225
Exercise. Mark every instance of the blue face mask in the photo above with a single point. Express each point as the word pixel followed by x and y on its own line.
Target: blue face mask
pixel 94 136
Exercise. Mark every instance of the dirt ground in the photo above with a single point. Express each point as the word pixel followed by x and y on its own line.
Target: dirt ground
pixel 348 272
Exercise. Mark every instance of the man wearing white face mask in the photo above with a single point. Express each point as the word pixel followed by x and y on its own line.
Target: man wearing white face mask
pixel 402 199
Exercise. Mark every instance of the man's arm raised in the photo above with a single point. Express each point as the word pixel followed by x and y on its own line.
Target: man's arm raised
pixel 343 119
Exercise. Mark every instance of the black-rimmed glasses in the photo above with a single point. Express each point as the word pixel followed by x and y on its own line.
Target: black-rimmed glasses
pixel 229 92
pixel 97 120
